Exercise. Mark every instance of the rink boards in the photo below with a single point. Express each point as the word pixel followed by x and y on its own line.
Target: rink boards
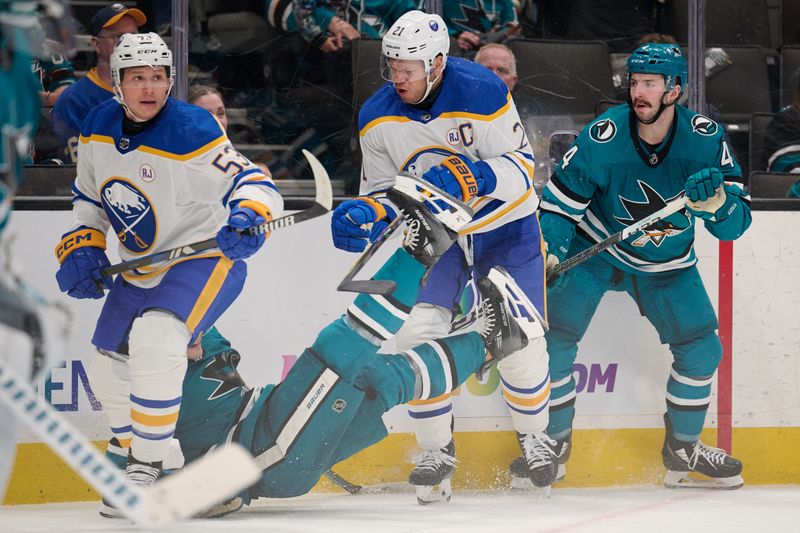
pixel 621 368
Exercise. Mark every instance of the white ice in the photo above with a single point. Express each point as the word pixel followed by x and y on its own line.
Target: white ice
pixel 630 509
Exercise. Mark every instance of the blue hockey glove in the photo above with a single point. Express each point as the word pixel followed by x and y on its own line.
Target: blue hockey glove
pixel 357 222
pixel 705 191
pixel 234 240
pixel 461 178
pixel 82 255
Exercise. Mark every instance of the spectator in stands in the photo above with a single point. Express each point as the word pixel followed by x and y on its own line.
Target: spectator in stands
pixel 344 20
pixel 310 16
pixel 499 59
pixel 75 102
pixel 783 141
pixel 474 22
pixel 55 75
pixel 209 99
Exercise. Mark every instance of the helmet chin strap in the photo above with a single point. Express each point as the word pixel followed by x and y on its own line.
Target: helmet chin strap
pixel 121 99
pixel 128 111
pixel 661 107
pixel 430 83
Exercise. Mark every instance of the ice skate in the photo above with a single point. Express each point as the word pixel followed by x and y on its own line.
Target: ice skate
pixel 520 480
pixel 719 470
pixel 432 473
pixel 506 318
pixel 137 472
pixel 537 467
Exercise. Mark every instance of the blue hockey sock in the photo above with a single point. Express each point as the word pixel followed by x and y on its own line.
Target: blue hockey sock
pixel 382 316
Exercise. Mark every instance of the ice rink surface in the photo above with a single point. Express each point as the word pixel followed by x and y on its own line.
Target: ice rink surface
pixel 630 509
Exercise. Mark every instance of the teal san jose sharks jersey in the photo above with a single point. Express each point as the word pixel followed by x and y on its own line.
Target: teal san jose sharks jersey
pixel 609 179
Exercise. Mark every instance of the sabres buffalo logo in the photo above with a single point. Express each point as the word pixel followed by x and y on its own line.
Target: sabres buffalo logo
pixel 603 131
pixel 426 158
pixel 703 125
pixel 130 213
pixel 637 210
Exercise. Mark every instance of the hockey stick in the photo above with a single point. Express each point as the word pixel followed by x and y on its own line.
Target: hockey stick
pixel 370 286
pixel 672 207
pixel 354 489
pixel 181 495
pixel 322 204
pixel 454 215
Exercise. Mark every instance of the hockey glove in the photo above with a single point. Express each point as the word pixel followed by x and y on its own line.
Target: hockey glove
pixel 461 178
pixel 357 222
pixel 233 239
pixel 557 282
pixel 706 192
pixel 82 255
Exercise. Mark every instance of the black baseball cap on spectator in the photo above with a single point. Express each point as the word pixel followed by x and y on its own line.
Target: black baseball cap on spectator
pixel 111 14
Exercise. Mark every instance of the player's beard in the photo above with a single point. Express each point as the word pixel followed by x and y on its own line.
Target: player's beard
pixel 646 115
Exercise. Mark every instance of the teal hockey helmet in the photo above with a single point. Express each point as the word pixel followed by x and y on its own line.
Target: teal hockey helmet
pixel 659 58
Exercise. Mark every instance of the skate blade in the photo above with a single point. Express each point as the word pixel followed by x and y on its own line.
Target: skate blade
pixel 681 480
pixel 440 493
pixel 524 484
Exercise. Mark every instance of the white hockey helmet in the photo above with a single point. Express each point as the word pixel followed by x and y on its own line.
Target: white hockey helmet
pixel 416 36
pixel 139 50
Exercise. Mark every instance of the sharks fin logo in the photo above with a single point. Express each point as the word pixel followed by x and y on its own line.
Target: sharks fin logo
pixel 638 209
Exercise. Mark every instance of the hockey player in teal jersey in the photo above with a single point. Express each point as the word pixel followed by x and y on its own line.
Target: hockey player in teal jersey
pixel 330 404
pixel 623 166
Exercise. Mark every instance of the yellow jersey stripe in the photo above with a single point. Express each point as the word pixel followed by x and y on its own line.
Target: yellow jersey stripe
pixel 155 151
pixel 210 291
pixel 97 80
pixel 497 215
pixel 131 276
pixel 381 120
pixel 449 114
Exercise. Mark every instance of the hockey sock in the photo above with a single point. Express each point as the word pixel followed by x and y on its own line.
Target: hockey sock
pixel 562 407
pixel 687 402
pixel 427 371
pixel 525 381
pixel 382 316
pixel 157 345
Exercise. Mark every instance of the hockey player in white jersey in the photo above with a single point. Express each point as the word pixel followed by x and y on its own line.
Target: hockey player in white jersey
pixel 454 123
pixel 161 173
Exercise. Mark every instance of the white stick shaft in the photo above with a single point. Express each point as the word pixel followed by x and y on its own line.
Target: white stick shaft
pixel 72 446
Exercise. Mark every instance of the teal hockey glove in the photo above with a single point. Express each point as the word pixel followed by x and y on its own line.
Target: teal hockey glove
pixel 706 192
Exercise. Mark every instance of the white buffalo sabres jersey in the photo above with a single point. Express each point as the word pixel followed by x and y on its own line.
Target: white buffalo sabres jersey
pixel 166 186
pixel 473 115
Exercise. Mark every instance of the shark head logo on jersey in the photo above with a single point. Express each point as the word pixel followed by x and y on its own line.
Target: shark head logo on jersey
pixel 637 210
pixel 703 125
pixel 603 131
pixel 130 213
pixel 222 369
pixel 426 158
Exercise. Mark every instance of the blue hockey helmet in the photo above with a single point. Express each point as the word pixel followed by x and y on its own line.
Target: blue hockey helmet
pixel 660 58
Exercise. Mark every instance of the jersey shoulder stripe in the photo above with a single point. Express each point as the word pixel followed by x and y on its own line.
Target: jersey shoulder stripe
pixel 468 90
pixel 181 131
